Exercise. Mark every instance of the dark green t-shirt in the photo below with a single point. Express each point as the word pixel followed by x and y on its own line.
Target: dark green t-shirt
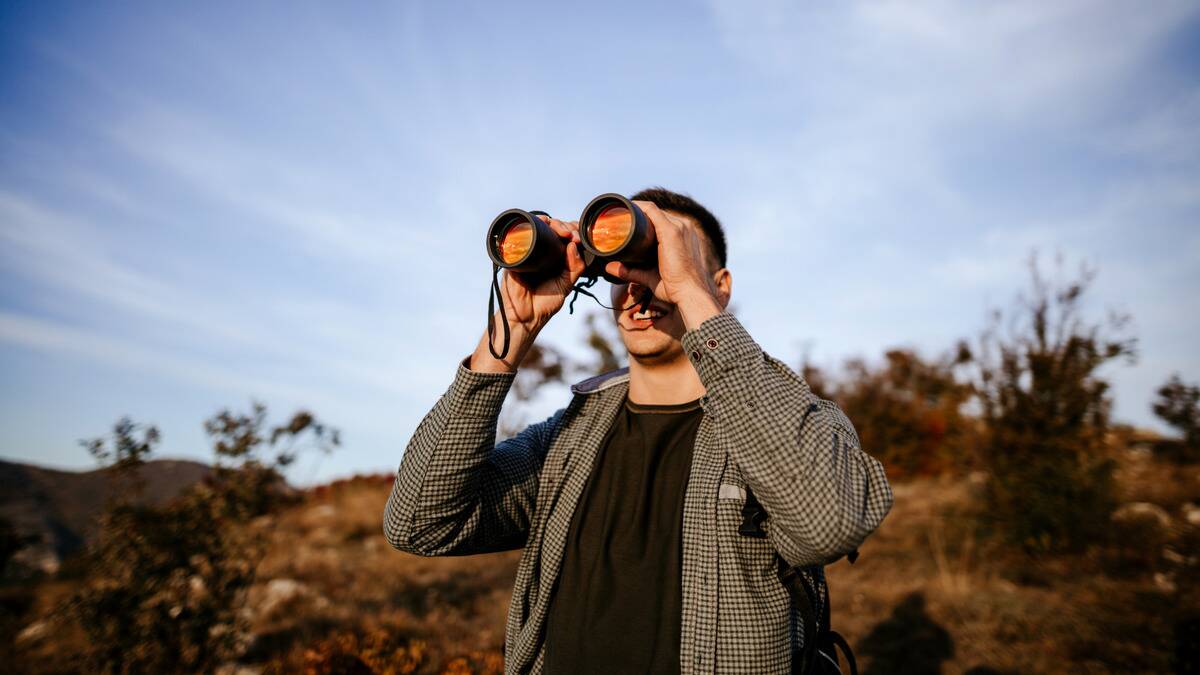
pixel 617 603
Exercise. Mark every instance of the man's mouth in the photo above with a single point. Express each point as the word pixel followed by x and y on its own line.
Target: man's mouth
pixel 646 319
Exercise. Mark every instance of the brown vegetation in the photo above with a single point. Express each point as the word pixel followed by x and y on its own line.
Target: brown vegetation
pixel 331 596
pixel 1046 415
pixel 1178 405
pixel 909 411
pixel 928 593
pixel 163 588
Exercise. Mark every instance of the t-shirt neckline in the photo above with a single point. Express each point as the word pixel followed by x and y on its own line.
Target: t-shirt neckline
pixel 662 408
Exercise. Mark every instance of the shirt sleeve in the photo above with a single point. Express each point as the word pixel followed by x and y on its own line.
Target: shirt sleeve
pixel 457 491
pixel 799 453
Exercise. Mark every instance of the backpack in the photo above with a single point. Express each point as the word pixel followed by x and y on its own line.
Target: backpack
pixel 810 595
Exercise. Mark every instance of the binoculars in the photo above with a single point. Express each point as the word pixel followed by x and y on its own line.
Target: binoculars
pixel 612 228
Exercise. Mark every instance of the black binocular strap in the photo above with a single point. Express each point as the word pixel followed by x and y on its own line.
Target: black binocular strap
pixel 582 286
pixel 579 287
pixel 495 290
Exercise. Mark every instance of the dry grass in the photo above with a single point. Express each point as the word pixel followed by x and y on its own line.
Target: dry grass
pixel 354 584
pixel 926 596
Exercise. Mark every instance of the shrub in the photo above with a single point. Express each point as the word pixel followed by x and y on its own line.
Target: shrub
pixel 1178 405
pixel 165 583
pixel 909 412
pixel 1047 413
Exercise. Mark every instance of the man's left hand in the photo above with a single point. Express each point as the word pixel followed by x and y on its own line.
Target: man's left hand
pixel 682 277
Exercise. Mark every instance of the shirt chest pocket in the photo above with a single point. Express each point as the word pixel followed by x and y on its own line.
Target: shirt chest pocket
pixel 744 526
pixel 754 609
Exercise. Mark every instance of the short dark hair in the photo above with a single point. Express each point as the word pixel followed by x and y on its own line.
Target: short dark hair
pixel 683 204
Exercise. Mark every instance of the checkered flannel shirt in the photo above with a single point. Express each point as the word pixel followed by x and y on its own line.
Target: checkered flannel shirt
pixel 459 492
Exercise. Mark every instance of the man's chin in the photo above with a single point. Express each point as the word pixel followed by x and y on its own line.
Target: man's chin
pixel 651 351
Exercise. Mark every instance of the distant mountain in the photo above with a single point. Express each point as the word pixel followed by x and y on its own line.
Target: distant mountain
pixel 58 509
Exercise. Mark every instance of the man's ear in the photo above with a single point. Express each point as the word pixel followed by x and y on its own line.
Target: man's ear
pixel 724 281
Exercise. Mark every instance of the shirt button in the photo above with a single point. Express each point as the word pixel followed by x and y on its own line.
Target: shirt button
pixel 695 354
pixel 712 344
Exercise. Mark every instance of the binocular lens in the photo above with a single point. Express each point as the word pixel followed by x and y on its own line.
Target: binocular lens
pixel 523 243
pixel 514 242
pixel 611 228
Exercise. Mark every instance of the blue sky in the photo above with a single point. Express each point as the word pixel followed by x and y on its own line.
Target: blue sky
pixel 205 203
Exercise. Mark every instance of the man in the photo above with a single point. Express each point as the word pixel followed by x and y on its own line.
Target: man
pixel 628 501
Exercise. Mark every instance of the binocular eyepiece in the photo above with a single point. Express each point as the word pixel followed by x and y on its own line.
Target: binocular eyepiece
pixel 610 228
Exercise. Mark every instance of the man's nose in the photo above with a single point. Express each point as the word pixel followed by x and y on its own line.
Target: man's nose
pixel 638 294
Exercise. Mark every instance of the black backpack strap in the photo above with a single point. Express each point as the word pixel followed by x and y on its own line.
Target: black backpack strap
pixel 826 601
pixel 804 600
pixel 810 595
pixel 836 640
pixel 830 641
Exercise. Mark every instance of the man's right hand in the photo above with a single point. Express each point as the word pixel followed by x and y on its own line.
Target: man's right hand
pixel 529 307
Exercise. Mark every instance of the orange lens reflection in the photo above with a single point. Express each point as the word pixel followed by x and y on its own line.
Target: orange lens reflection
pixel 515 241
pixel 611 228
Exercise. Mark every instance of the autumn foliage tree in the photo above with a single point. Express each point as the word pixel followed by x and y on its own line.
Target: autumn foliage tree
pixel 909 411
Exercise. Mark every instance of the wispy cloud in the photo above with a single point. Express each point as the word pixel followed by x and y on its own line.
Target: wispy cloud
pixel 48 335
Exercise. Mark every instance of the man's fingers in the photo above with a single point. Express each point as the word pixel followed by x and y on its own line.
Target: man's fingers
pixel 573 225
pixel 621 271
pixel 575 264
pixel 560 228
pixel 652 211
pixel 664 225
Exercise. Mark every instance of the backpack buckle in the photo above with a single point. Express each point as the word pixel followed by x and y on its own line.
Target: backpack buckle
pixel 753 515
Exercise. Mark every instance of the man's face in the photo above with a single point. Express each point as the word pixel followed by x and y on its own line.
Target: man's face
pixel 653 337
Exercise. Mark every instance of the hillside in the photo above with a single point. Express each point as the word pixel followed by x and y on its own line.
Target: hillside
pixel 926 596
pixel 58 508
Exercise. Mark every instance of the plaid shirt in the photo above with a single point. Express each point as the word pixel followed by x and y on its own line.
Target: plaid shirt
pixel 458 492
